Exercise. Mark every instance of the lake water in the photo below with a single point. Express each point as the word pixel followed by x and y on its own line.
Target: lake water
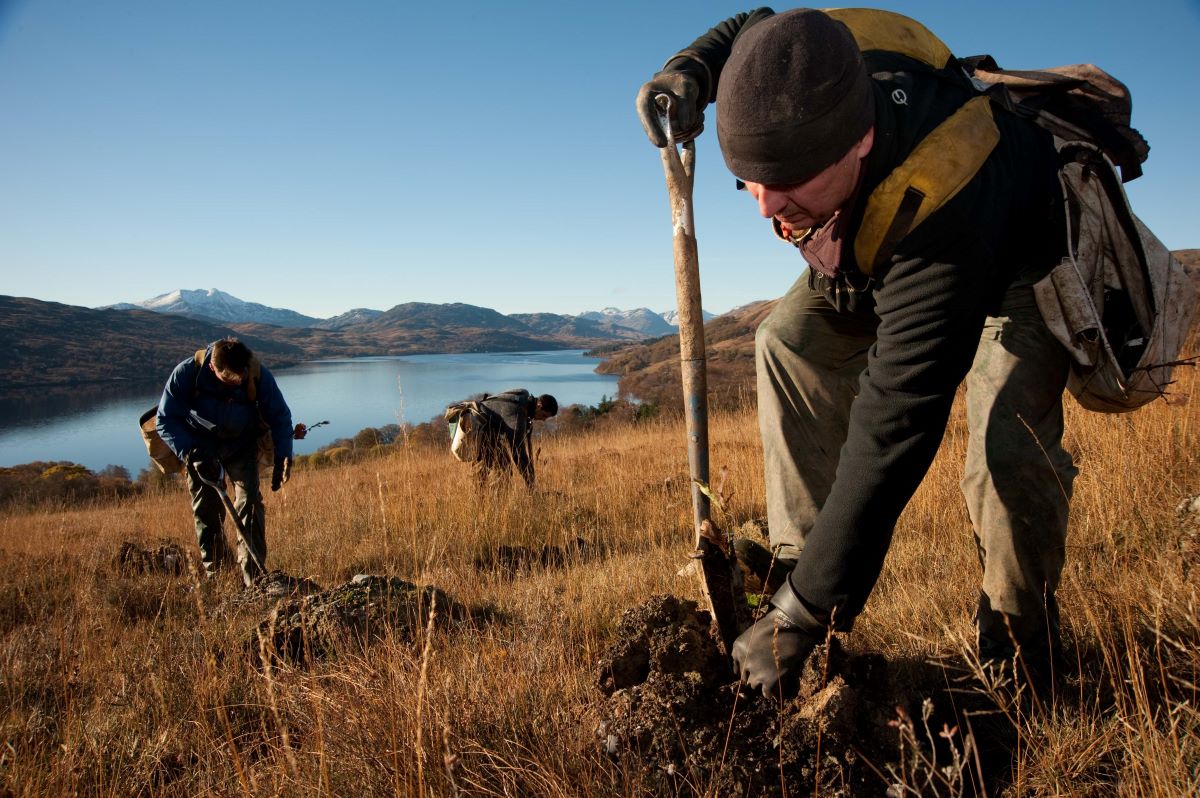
pixel 351 394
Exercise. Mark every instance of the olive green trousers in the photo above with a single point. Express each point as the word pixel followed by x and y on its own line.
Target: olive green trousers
pixel 1017 477
pixel 208 511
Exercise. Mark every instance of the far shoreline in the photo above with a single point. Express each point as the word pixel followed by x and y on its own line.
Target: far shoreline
pixel 25 391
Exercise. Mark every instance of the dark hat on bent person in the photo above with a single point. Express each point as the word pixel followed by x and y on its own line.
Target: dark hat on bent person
pixel 793 98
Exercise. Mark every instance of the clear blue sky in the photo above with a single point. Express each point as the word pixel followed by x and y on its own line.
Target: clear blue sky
pixel 321 155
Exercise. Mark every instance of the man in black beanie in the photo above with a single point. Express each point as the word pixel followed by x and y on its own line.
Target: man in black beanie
pixel 925 217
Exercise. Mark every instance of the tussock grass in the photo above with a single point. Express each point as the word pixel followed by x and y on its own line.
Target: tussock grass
pixel 114 685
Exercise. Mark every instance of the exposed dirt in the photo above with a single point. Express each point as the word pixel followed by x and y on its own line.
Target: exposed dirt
pixel 274 585
pixel 674 715
pixel 167 558
pixel 305 628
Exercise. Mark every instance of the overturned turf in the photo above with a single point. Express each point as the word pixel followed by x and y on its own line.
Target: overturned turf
pixel 306 628
pixel 166 558
pixel 675 716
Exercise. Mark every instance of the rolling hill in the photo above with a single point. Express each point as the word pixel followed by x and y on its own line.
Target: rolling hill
pixel 48 345
pixel 650 370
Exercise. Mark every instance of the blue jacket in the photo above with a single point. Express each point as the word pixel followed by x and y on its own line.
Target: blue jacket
pixel 197 410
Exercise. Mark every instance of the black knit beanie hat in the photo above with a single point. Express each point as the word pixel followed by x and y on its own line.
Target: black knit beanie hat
pixel 793 98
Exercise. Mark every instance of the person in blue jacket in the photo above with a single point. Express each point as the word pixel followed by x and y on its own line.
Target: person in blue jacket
pixel 213 411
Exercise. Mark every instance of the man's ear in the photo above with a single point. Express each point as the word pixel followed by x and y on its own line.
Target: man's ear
pixel 866 142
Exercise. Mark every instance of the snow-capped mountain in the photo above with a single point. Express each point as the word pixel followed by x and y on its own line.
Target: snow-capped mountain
pixel 349 319
pixel 672 317
pixel 643 320
pixel 216 305
pixel 219 306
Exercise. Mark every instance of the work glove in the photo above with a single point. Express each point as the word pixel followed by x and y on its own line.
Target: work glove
pixel 281 472
pixel 685 81
pixel 199 457
pixel 299 432
pixel 770 654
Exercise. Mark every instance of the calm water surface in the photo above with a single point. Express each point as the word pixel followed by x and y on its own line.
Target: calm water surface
pixel 101 429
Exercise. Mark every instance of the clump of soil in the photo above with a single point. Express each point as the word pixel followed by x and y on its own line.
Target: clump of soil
pixel 274 585
pixel 306 628
pixel 167 558
pixel 666 636
pixel 675 716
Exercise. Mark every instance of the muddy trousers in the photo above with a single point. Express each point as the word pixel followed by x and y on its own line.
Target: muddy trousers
pixel 208 512
pixel 1017 479
pixel 495 455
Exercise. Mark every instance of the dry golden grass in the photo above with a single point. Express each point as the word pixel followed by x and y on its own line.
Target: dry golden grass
pixel 116 685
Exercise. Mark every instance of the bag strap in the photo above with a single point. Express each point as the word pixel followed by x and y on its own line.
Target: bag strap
pixel 945 161
pixel 874 29
pixel 255 377
pixel 198 359
pixel 940 166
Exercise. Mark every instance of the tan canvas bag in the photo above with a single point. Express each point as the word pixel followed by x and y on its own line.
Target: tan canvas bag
pixel 1118 301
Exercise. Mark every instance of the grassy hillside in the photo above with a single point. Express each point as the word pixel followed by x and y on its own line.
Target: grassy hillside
pixel 650 371
pixel 115 684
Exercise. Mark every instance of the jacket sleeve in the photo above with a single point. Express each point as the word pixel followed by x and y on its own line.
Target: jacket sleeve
pixel 932 303
pixel 276 413
pixel 175 406
pixel 712 49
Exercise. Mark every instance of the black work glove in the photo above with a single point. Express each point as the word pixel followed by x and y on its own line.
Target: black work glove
pixel 199 457
pixel 770 654
pixel 686 82
pixel 281 472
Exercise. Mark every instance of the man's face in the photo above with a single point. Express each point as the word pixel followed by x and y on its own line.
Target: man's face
pixel 226 376
pixel 799 206
pixel 540 415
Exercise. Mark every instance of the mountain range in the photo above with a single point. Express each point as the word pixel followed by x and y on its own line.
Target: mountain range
pixel 219 306
pixel 51 347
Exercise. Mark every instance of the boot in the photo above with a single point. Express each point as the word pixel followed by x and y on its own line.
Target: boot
pixel 762 571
